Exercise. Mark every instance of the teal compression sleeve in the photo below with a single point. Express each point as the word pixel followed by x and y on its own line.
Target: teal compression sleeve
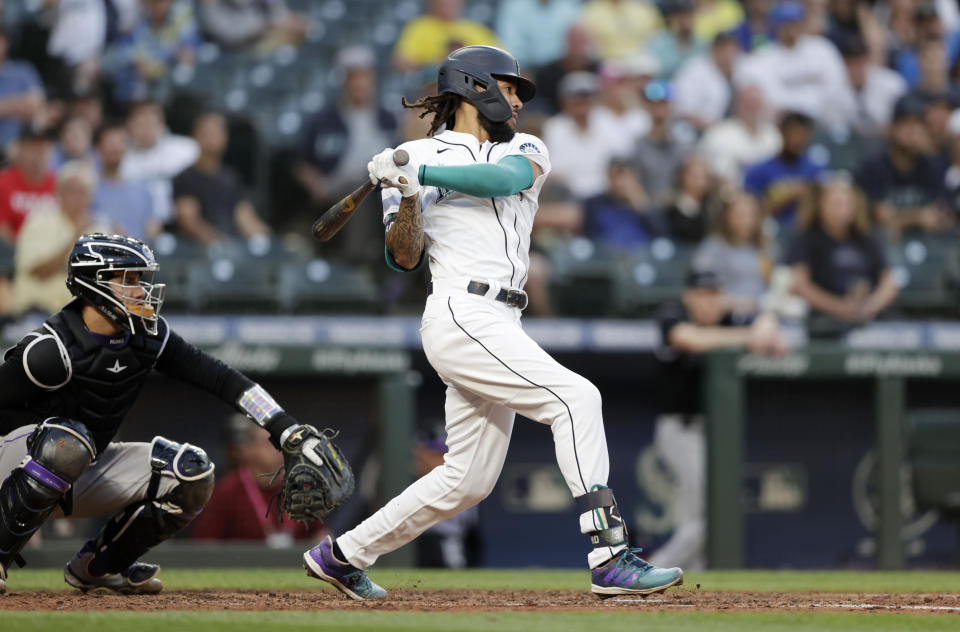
pixel 511 175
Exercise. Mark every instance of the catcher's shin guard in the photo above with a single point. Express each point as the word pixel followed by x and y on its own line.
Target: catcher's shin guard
pixel 145 524
pixel 58 452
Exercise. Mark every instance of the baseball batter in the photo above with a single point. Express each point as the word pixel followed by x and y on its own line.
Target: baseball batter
pixel 465 204
pixel 66 388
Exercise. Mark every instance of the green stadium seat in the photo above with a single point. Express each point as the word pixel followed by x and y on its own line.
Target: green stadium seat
pixel 582 278
pixel 933 452
pixel 225 285
pixel 326 286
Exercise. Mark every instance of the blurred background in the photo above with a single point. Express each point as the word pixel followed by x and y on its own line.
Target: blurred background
pixel 785 172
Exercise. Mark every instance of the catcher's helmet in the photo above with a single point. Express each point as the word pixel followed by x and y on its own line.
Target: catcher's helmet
pixel 96 261
pixel 483 64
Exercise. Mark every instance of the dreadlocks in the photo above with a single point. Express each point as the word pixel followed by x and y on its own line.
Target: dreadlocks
pixel 444 109
pixel 442 106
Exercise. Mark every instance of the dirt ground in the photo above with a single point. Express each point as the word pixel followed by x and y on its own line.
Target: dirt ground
pixel 485 600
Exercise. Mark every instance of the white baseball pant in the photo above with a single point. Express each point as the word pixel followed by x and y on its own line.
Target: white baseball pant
pixel 492 370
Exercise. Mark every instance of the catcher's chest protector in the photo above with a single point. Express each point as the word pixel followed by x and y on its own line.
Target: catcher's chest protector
pixel 105 382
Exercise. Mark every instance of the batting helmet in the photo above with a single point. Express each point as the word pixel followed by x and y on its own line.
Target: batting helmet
pixel 96 262
pixel 469 65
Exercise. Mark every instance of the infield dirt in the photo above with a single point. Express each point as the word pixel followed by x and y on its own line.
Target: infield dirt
pixel 412 599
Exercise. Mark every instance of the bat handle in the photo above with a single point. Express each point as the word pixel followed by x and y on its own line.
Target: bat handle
pixel 401 157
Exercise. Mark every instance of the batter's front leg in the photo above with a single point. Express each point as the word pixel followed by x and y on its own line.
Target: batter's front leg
pixel 478 434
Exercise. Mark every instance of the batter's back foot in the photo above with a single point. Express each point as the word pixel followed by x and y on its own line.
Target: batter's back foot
pixel 628 574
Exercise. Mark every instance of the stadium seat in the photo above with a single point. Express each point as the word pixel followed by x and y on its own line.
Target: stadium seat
pixel 226 285
pixel 920 270
pixel 651 276
pixel 582 278
pixel 933 452
pixel 326 286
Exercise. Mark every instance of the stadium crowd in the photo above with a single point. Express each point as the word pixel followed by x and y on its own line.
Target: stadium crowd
pixel 752 137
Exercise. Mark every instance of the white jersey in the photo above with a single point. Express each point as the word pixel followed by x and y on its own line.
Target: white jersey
pixel 470 238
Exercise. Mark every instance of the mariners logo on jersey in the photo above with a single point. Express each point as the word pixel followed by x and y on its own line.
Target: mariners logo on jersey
pixel 530 148
pixel 442 193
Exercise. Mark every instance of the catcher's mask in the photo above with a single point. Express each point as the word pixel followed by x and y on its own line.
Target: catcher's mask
pixel 115 274
pixel 465 67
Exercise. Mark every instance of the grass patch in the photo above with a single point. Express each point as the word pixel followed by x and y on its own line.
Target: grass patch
pixel 530 579
pixel 379 621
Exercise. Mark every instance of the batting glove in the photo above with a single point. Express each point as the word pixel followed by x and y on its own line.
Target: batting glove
pixel 382 169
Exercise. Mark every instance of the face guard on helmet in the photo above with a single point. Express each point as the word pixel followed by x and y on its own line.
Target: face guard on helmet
pixel 467 66
pixel 115 274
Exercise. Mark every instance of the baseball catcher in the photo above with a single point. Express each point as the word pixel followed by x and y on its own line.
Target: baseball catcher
pixel 68 385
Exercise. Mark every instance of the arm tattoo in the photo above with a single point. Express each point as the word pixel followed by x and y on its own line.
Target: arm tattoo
pixel 405 236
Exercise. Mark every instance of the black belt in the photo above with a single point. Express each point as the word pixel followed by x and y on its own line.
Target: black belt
pixel 513 298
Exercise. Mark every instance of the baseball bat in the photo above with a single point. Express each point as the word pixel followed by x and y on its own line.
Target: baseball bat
pixel 340 213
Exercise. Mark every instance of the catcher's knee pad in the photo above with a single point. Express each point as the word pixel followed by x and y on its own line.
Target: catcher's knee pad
pixel 143 525
pixel 607 526
pixel 58 451
pixel 190 466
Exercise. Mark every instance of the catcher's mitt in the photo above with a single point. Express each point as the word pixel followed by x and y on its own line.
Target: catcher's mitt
pixel 317 477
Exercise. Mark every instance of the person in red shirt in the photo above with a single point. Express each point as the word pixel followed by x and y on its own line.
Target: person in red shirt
pixel 29 183
pixel 238 508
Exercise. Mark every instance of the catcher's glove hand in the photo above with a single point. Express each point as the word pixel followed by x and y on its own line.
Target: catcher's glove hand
pixel 317 477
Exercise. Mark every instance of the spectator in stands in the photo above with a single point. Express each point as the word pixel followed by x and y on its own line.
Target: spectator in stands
pixel 951 178
pixel 534 30
pixel 155 155
pixel 911 34
pixel 937 109
pixel 904 185
pixel 211 205
pixel 77 39
pixel 703 87
pixel 735 144
pixel 694 204
pixel 21 94
pixel 839 268
pixel 427 40
pixel 659 154
pixel 785 182
pixel 165 37
pixel 713 17
pixel 583 138
pixel 48 235
pixel 87 104
pixel 934 69
pixel 340 139
pixel 620 28
pixel 623 83
pixel 76 142
pixel 737 252
pixel 700 322
pixel 28 184
pixel 123 203
pixel 865 105
pixel 852 20
pixel 756 29
pixel 798 71
pixel 621 218
pixel 675 44
pixel 262 25
pixel 579 57
pixel 238 507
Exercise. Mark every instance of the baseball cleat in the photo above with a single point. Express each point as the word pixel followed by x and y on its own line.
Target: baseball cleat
pixel 3 579
pixel 350 580
pixel 138 579
pixel 628 574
